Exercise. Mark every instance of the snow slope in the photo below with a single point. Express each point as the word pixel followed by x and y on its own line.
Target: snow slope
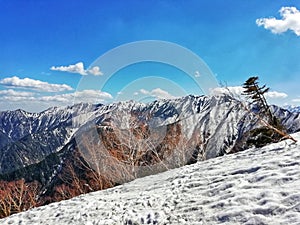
pixel 257 186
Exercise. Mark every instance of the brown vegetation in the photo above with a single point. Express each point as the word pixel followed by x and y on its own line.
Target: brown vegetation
pixel 106 158
pixel 18 196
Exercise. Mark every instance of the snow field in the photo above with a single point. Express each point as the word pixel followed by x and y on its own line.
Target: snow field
pixel 257 186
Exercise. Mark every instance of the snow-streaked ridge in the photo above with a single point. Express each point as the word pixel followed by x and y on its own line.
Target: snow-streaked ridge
pixel 219 121
pixel 293 108
pixel 257 186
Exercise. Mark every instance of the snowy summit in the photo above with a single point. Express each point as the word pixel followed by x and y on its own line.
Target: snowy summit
pixel 256 186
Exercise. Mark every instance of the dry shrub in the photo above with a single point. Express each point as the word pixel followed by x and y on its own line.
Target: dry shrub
pixel 18 196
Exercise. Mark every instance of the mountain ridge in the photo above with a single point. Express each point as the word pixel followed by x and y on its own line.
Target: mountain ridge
pixel 65 122
pixel 191 128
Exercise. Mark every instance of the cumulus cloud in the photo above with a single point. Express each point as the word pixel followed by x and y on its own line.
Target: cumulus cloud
pixel 238 90
pixel 157 93
pixel 91 96
pixel 290 21
pixel 95 71
pixel 11 92
pixel 16 96
pixel 144 92
pixel 276 94
pixel 23 99
pixel 27 83
pixel 296 100
pixel 78 68
pixel 234 90
pixel 34 102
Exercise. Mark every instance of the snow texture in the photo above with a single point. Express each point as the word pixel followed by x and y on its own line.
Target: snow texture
pixel 257 186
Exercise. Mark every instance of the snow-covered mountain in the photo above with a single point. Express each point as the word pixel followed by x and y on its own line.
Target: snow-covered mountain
pixel 295 109
pixel 291 120
pixel 219 121
pixel 35 146
pixel 256 186
pixel 27 138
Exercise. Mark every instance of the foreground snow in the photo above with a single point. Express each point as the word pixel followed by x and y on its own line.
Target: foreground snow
pixel 258 186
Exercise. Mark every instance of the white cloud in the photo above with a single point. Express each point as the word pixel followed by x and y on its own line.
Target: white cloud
pixel 197 74
pixel 290 21
pixel 23 99
pixel 276 94
pixel 78 68
pixel 14 93
pixel 91 96
pixel 236 91
pixel 27 83
pixel 144 92
pixel 34 102
pixel 157 93
pixel 296 100
pixel 16 96
pixel 95 71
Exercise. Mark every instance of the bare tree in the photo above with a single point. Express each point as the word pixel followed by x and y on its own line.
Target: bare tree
pixel 17 196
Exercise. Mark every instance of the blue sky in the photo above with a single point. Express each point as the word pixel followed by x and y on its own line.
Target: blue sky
pixel 41 40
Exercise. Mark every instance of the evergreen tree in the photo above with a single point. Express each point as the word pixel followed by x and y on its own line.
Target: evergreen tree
pixel 257 95
pixel 273 130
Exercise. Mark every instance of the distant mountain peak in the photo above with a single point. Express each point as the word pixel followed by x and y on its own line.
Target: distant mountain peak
pixel 294 109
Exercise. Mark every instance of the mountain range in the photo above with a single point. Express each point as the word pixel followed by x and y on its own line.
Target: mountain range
pixel 124 140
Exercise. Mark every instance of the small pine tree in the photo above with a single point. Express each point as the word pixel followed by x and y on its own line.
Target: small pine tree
pixel 273 130
pixel 256 93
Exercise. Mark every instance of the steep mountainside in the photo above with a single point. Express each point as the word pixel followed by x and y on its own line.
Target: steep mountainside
pixel 256 186
pixel 295 109
pixel 27 138
pixel 135 138
pixel 291 120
